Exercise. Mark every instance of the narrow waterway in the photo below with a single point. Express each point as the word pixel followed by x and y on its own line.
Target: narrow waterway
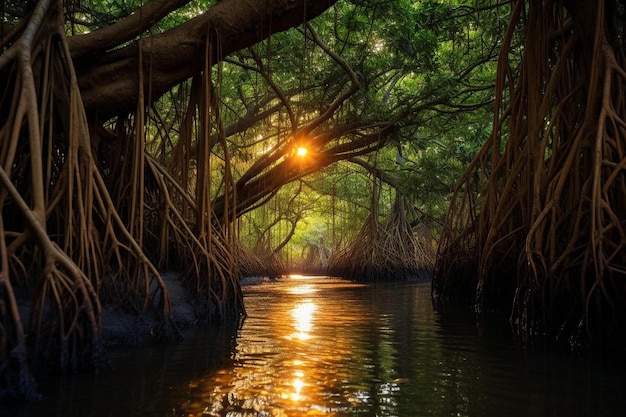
pixel 318 346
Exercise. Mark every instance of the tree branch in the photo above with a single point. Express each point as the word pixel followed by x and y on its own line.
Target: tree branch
pixel 101 40
pixel 176 54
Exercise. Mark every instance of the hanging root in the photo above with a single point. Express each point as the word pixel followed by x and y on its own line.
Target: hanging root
pixel 61 231
pixel 65 299
pixel 65 312
pixel 187 228
pixel 257 263
pixel 16 380
pixel 313 260
pixel 538 224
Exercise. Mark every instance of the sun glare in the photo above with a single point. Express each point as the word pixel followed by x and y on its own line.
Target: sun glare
pixel 303 320
pixel 301 151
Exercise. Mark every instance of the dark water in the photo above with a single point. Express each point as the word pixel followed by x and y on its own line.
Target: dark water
pixel 316 346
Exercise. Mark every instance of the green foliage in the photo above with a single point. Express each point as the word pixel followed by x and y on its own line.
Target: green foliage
pixel 89 15
pixel 429 66
pixel 426 67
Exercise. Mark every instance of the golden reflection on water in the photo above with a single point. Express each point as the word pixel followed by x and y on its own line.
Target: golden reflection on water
pixel 302 315
pixel 284 363
pixel 302 289
pixel 297 388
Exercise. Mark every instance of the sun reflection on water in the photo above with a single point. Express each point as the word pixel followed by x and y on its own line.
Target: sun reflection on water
pixel 303 320
pixel 297 386
pixel 286 362
pixel 302 290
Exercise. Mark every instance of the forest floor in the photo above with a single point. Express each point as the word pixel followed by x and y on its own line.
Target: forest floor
pixel 123 328
pixel 120 327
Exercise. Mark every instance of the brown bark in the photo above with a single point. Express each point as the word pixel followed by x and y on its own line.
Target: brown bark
pixel 100 41
pixel 109 82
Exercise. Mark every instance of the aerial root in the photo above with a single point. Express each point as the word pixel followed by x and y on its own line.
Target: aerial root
pixel 538 226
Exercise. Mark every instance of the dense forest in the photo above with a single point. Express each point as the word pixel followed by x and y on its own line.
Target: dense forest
pixel 225 139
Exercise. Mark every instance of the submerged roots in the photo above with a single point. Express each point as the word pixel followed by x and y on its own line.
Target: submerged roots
pixel 388 251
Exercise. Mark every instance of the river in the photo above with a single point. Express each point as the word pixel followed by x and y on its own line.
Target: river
pixel 319 346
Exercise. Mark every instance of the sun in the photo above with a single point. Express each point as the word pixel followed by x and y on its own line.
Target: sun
pixel 301 151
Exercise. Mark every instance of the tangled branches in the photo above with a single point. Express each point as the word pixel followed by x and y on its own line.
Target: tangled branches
pixel 37 192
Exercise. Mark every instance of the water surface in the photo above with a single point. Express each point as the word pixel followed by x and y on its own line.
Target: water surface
pixel 319 346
